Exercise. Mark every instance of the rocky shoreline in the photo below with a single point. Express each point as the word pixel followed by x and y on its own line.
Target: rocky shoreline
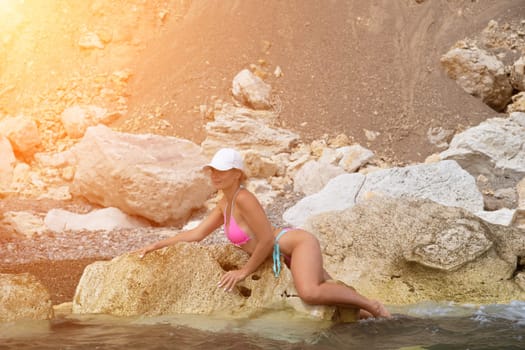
pixel 450 228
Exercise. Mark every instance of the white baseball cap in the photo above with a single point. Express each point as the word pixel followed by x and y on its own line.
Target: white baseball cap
pixel 226 159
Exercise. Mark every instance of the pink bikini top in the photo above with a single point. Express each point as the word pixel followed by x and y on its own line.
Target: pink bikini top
pixel 235 234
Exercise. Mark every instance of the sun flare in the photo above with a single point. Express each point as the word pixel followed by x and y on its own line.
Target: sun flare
pixel 7 6
pixel 10 16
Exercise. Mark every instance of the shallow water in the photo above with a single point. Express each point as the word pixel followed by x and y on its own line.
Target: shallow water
pixel 422 326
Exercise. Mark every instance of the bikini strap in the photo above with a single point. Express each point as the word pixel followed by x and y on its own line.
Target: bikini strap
pixel 233 199
pixel 277 253
pixel 283 231
pixel 231 211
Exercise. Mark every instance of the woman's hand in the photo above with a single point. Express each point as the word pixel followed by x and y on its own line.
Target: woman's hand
pixel 142 252
pixel 231 278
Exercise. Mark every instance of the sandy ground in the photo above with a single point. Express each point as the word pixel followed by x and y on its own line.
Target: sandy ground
pixel 348 66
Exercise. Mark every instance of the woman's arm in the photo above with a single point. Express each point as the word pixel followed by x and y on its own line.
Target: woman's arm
pixel 197 234
pixel 253 214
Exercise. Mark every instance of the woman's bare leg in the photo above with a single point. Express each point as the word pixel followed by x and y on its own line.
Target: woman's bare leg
pixel 309 279
pixel 328 278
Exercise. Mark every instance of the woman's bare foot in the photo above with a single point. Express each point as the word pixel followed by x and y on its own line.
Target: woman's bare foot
pixel 363 314
pixel 379 310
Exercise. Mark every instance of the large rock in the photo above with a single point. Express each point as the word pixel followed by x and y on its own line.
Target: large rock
pixel 354 157
pixel 517 74
pixel 259 166
pixel 23 297
pixel 314 175
pixel 406 251
pixel 520 189
pixel 479 73
pixel 518 103
pixel 21 224
pixel 502 216
pixel 338 194
pixel 23 134
pixel 252 91
pixel 494 149
pixel 182 279
pixel 59 220
pixel 246 129
pixel 77 119
pixel 156 177
pixel 443 182
pixel 7 163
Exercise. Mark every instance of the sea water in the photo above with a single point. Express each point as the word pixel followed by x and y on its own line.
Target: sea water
pixel 422 326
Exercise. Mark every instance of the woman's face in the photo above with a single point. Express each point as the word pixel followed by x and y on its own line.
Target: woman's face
pixel 224 179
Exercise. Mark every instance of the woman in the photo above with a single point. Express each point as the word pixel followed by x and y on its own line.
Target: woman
pixel 247 226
